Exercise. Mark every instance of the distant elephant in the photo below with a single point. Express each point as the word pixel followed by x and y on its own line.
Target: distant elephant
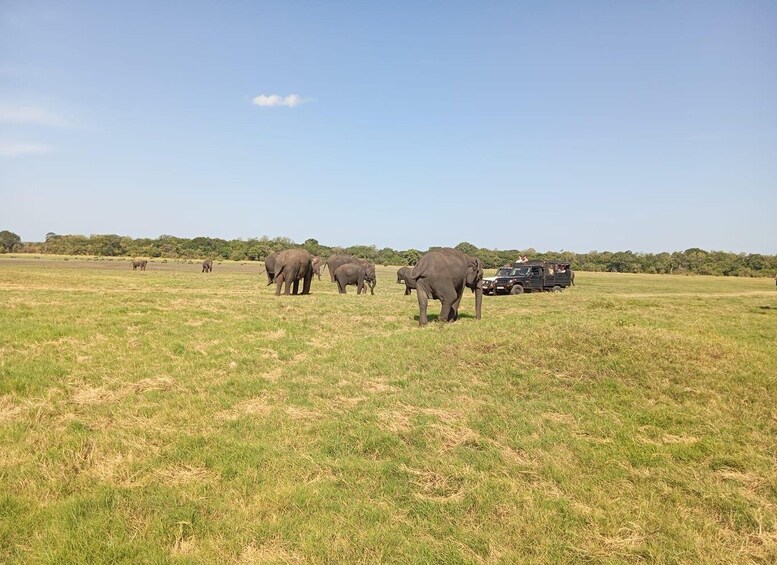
pixel 318 265
pixel 334 261
pixel 207 265
pixel 292 266
pixel 443 274
pixel 269 267
pixel 139 263
pixel 403 276
pixel 356 274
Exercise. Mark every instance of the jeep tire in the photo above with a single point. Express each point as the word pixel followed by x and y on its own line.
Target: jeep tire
pixel 517 289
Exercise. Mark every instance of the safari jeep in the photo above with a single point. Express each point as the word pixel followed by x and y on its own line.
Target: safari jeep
pixel 530 276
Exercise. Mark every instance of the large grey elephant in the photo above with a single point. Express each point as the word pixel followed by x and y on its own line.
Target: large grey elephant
pixel 207 265
pixel 356 274
pixel 269 267
pixel 292 266
pixel 334 261
pixel 403 276
pixel 139 263
pixel 443 274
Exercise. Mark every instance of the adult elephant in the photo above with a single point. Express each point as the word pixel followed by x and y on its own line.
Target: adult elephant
pixel 207 265
pixel 139 263
pixel 292 266
pixel 356 274
pixel 269 267
pixel 338 259
pixel 443 274
pixel 403 276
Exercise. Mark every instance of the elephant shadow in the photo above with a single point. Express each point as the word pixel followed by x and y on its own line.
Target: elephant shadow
pixel 435 317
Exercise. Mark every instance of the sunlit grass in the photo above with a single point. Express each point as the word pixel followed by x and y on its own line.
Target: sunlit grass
pixel 174 416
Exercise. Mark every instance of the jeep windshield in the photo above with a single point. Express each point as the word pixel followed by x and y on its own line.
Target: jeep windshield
pixel 513 272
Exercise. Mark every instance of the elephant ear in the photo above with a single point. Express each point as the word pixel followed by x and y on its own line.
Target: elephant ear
pixel 474 272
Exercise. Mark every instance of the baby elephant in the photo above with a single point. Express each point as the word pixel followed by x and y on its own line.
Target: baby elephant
pixel 207 265
pixel 403 276
pixel 139 263
pixel 356 274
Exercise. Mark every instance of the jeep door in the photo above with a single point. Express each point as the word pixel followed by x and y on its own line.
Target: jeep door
pixel 536 278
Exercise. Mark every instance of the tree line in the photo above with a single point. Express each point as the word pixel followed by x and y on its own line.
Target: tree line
pixel 690 261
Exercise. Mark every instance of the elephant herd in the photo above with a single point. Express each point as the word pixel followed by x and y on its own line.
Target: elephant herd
pixel 441 274
pixel 289 267
pixel 207 265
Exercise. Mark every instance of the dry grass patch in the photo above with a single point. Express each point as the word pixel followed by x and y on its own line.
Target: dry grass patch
pixel 396 421
pixel 301 413
pixel 10 410
pixel 88 396
pixel 273 551
pixel 156 383
pixel 435 486
pixel 258 406
pixel 182 474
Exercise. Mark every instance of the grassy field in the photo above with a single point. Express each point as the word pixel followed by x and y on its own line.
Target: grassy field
pixel 170 416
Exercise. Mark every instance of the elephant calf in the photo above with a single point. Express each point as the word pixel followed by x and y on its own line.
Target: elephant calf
pixel 318 265
pixel 269 267
pixel 139 263
pixel 356 274
pixel 207 265
pixel 403 276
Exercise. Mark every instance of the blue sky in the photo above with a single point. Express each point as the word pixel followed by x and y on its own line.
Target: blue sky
pixel 648 126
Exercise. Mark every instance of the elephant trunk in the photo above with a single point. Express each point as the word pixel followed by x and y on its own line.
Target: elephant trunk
pixel 478 300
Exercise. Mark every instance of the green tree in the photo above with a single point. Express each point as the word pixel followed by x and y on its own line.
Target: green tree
pixel 9 240
pixel 467 248
pixel 411 256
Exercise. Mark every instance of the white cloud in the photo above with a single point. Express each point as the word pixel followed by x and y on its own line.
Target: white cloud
pixel 30 115
pixel 269 100
pixel 20 149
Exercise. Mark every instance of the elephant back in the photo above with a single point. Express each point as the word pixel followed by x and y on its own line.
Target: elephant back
pixel 445 260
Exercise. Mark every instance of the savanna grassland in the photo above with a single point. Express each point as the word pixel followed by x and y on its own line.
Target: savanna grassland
pixel 171 416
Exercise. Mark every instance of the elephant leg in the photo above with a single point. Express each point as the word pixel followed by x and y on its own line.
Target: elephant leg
pixel 456 304
pixel 295 286
pixel 407 290
pixel 448 301
pixel 423 303
pixel 445 311
pixel 341 287
pixel 286 283
pixel 293 280
pixel 360 285
pixel 306 282
pixel 278 285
